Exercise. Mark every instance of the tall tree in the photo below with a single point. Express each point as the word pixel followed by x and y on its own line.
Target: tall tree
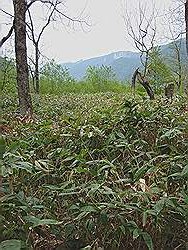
pixel 19 24
pixel 24 95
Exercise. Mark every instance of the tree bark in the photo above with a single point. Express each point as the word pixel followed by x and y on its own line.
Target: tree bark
pixel 143 82
pixel 146 85
pixel 24 95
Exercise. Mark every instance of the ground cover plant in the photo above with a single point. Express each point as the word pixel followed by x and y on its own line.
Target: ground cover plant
pixel 95 170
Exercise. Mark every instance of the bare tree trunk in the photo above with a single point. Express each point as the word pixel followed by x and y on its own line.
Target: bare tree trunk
pixel 142 80
pixel 146 85
pixel 24 96
pixel 37 68
pixel 146 63
pixel 186 22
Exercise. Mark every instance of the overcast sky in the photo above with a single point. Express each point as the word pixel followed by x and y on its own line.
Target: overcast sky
pixel 106 34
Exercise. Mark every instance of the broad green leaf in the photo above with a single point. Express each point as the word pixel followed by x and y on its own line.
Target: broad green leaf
pixel 123 229
pixel 131 224
pixel 159 205
pixel 103 168
pixel 120 135
pixel 103 217
pixel 81 169
pixel 186 198
pixel 81 215
pixel 136 233
pixel 2 147
pixel 38 222
pixel 185 171
pixel 144 218
pixel 46 222
pixel 148 240
pixel 171 133
pixel 88 209
pixel 90 225
pixel 139 173
pixel 23 165
pixel 10 245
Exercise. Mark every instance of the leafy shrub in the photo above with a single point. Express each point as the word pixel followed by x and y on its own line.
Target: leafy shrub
pixel 7 75
pixel 98 169
pixel 100 75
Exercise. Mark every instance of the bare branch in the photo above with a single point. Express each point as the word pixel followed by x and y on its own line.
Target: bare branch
pixel 141 27
pixel 5 38
pixel 48 20
pixel 7 13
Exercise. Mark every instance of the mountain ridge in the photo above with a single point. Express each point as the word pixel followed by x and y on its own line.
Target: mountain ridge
pixel 123 62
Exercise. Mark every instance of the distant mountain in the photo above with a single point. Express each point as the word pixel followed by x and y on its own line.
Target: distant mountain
pixel 168 51
pixel 123 62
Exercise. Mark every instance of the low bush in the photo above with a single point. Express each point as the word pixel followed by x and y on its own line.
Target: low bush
pixel 96 170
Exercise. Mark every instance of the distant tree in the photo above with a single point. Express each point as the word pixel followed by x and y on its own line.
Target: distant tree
pixel 159 72
pixel 176 62
pixel 175 19
pixel 54 75
pixel 7 74
pixel 53 9
pixel 36 40
pixel 100 75
pixel 178 20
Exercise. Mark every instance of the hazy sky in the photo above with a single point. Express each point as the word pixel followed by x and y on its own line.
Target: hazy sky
pixel 106 34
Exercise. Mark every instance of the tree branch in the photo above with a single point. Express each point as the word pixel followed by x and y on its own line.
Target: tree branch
pixel 5 38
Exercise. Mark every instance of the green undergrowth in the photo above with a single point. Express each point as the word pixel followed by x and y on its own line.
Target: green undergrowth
pixel 95 170
pixel 83 87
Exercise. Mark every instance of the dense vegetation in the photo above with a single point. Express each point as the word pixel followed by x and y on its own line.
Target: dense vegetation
pixel 95 170
pixel 93 164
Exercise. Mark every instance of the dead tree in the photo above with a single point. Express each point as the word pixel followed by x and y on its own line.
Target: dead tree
pixel 133 86
pixel 143 81
pixel 141 28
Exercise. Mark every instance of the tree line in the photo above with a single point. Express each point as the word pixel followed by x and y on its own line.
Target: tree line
pixel 24 28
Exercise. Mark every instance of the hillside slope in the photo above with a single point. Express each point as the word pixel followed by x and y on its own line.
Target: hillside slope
pixel 123 62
